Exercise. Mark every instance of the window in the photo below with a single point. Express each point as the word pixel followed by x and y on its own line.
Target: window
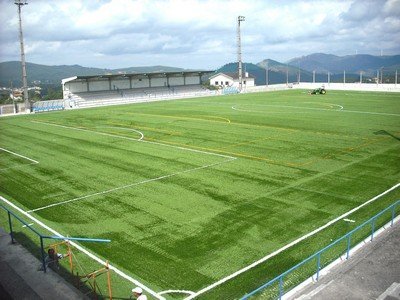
pixel 216 83
pixel 226 82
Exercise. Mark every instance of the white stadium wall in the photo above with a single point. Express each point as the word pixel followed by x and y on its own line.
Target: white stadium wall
pixel 192 79
pixel 76 86
pixel 179 80
pixel 99 85
pixel 120 84
pixel 157 82
pixel 140 83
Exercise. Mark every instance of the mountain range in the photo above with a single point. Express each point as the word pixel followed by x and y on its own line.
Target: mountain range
pixel 10 72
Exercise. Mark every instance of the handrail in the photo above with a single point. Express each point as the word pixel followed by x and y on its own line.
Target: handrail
pixel 321 251
pixel 41 236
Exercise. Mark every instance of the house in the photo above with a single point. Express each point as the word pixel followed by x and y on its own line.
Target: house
pixel 231 80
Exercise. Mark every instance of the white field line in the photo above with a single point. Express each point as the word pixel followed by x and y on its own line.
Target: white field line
pixel 129 185
pixel 128 129
pixel 136 140
pixel 19 155
pixel 341 109
pixel 265 258
pixel 229 158
pixel 287 106
pixel 88 130
pixel 83 250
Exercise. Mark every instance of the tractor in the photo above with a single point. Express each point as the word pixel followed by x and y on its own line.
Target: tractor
pixel 318 91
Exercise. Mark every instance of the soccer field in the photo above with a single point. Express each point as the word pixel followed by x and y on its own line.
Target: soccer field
pixel 192 191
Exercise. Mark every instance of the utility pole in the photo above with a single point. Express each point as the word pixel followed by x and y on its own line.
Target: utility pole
pixel 298 78
pixel 329 78
pixel 360 77
pixel 239 51
pixel 266 73
pixel 287 74
pixel 381 75
pixel 395 79
pixel 344 76
pixel 20 3
pixel 313 76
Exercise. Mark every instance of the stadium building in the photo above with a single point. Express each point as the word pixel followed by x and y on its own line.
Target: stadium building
pixel 98 90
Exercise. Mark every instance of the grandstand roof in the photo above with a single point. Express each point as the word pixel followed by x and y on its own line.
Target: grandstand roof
pixel 148 74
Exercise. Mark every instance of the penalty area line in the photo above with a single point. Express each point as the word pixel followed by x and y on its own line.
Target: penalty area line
pixel 134 140
pixel 19 155
pixel 83 250
pixel 129 185
pixel 265 258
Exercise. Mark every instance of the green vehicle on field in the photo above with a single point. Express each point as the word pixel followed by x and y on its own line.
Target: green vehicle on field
pixel 318 91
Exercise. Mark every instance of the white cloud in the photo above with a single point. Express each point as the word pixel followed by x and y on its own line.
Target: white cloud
pixel 195 33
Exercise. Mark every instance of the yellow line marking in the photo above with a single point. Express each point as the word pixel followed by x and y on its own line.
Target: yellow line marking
pixel 253 141
pixel 224 152
pixel 147 128
pixel 215 117
pixel 215 121
pixel 178 117
pixel 346 150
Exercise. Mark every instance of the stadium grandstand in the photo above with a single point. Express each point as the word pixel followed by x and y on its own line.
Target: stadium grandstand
pixel 101 90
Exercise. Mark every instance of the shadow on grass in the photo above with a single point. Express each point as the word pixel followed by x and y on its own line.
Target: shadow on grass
pixel 384 132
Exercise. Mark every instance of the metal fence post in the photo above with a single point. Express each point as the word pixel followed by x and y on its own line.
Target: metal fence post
pixel 280 287
pixel 43 255
pixel 348 246
pixel 11 229
pixel 372 228
pixel 318 265
pixel 392 221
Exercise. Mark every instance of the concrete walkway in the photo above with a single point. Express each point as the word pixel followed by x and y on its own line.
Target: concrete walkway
pixel 373 272
pixel 20 278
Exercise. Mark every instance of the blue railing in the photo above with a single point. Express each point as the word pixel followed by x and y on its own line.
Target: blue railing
pixel 280 278
pixel 43 237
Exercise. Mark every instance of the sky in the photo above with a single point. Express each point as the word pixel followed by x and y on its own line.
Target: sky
pixel 195 34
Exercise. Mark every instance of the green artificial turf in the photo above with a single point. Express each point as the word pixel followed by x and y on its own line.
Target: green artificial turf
pixel 213 185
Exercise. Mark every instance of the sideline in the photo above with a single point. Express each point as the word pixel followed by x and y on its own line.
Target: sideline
pixel 265 258
pixel 94 257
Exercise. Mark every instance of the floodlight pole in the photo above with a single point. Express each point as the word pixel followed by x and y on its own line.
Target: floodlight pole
pixel 381 75
pixel 313 76
pixel 239 51
pixel 20 3
pixel 329 78
pixel 266 74
pixel 344 76
pixel 360 77
pixel 395 79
